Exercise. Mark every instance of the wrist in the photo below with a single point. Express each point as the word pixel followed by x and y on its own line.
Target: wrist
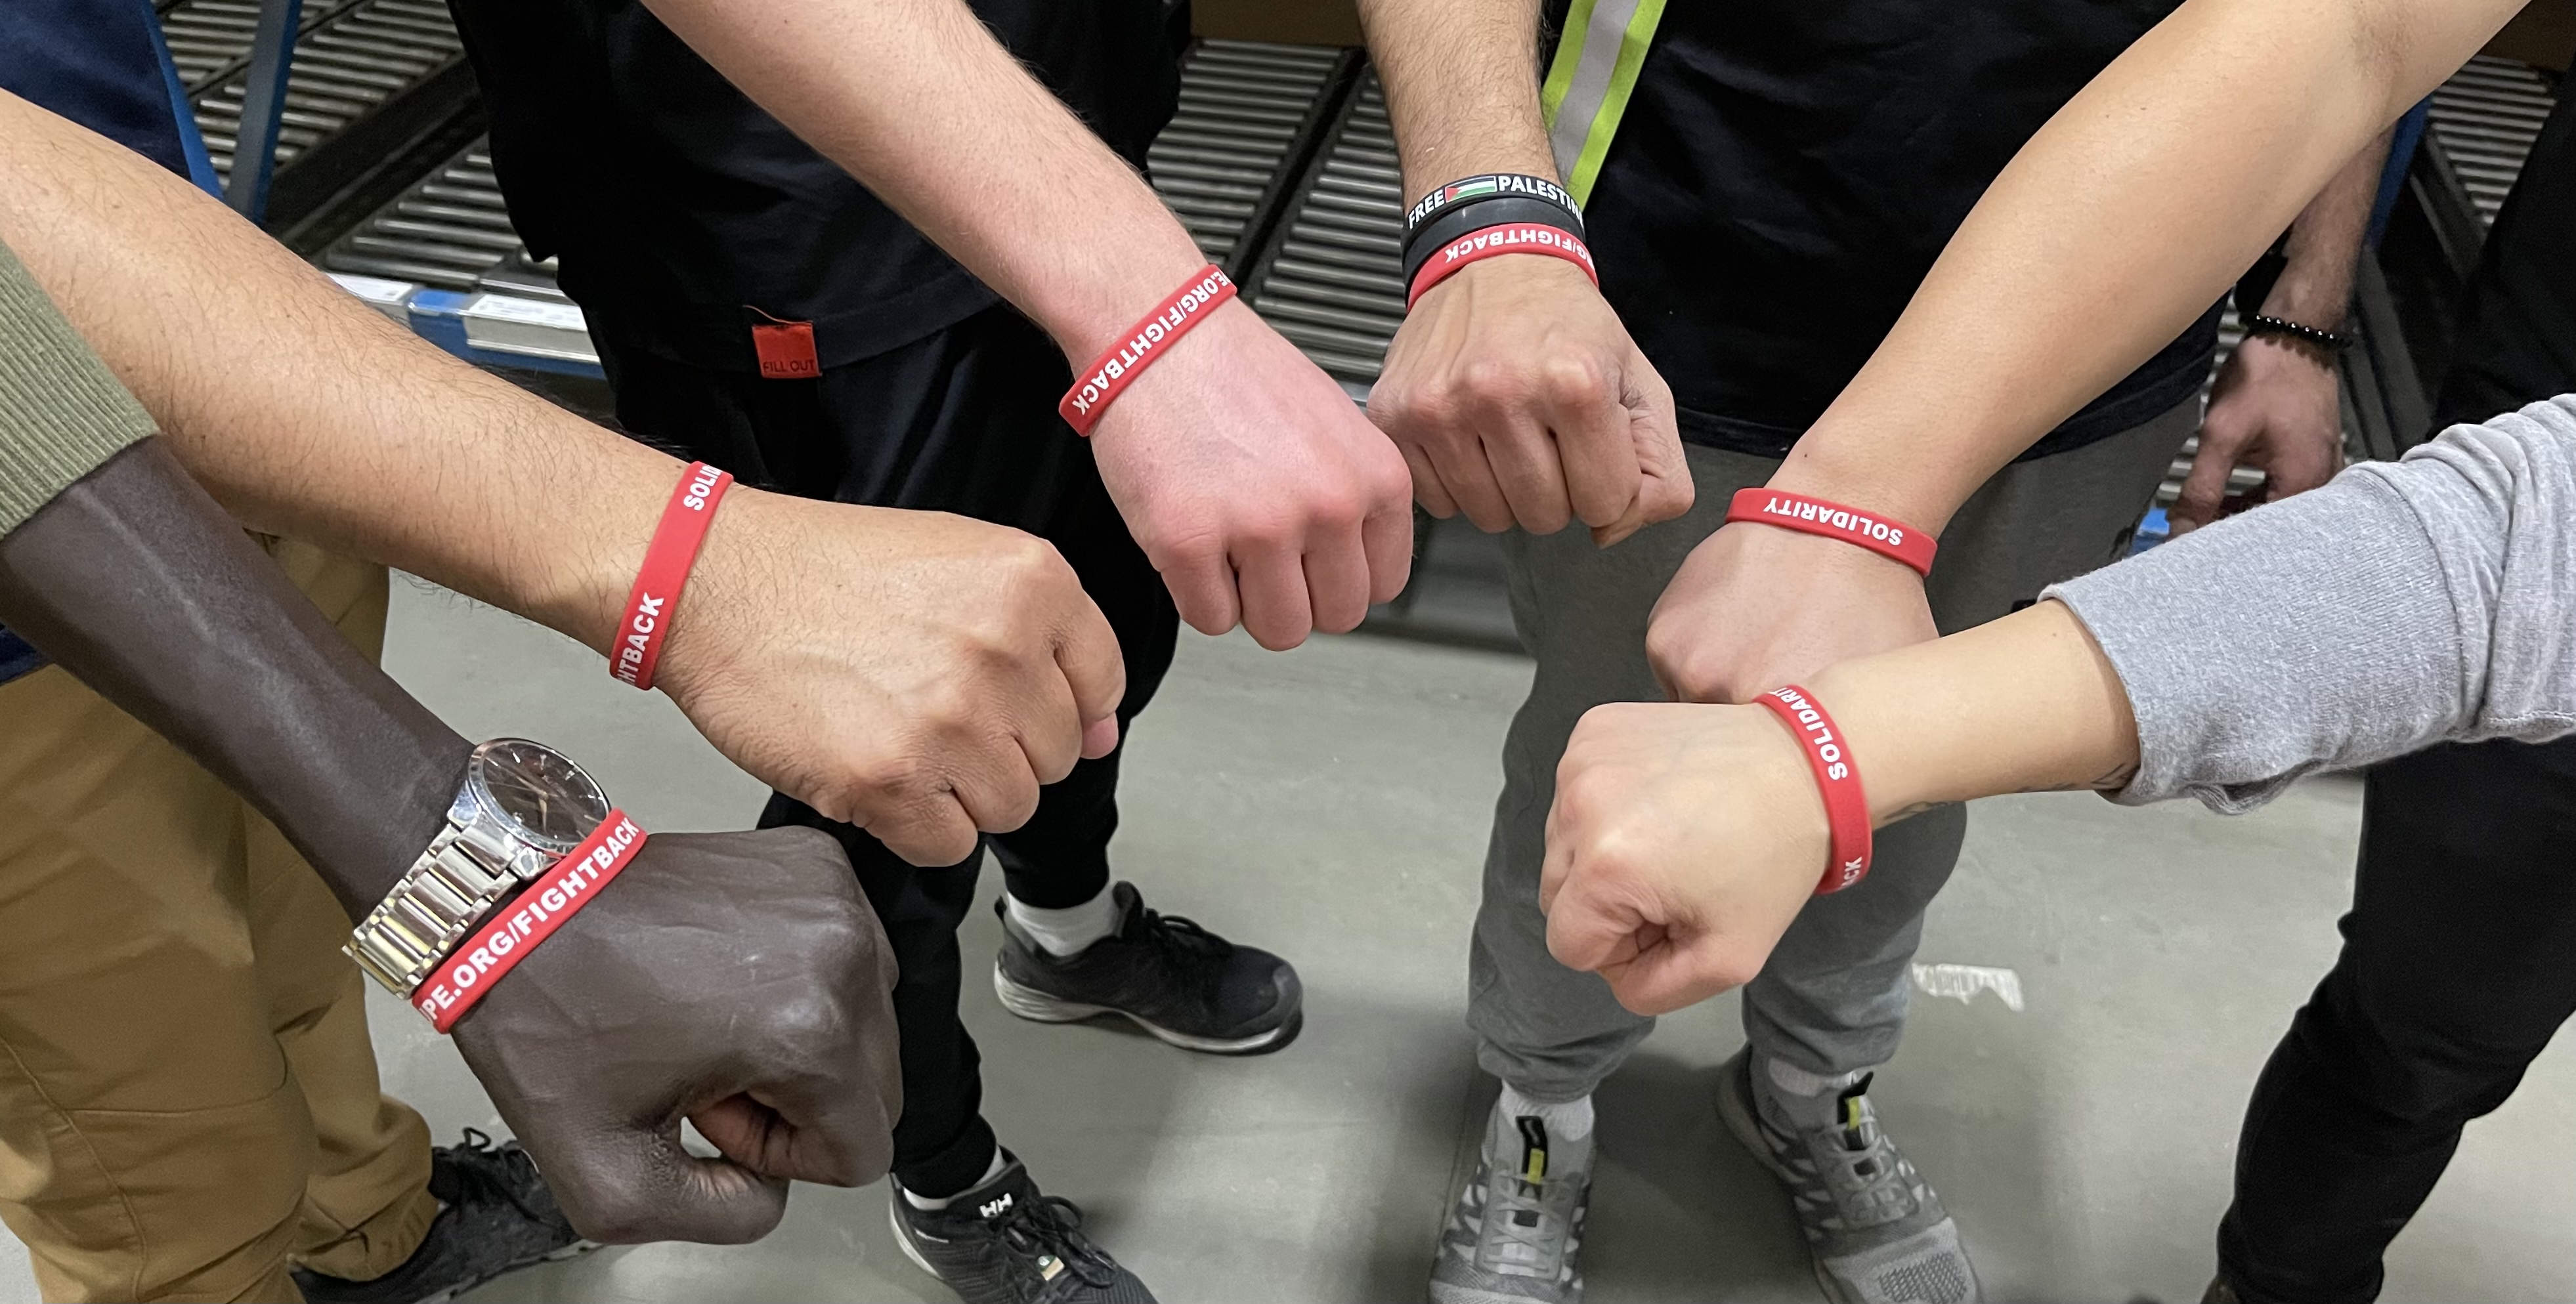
pixel 1828 464
pixel 1095 301
pixel 1884 748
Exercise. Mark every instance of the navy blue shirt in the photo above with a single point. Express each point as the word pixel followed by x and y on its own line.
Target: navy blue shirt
pixel 681 214
pixel 95 62
pixel 1787 171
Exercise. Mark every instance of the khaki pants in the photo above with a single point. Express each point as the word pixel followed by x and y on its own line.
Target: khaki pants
pixel 188 1096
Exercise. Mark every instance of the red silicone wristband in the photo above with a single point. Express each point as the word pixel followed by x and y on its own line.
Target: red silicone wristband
pixel 667 559
pixel 1846 806
pixel 1117 367
pixel 525 920
pixel 1891 539
pixel 1494 242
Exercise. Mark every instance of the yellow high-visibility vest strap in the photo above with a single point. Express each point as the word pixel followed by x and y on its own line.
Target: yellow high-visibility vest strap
pixel 1589 81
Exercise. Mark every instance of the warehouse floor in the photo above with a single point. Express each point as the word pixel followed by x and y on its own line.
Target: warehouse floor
pixel 1331 804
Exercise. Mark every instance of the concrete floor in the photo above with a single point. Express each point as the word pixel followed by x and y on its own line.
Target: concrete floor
pixel 1331 804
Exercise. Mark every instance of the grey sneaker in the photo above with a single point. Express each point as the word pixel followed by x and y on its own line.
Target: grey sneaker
pixel 1517 1233
pixel 1877 1231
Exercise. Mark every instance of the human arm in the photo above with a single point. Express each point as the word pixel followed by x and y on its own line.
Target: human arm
pixel 1246 474
pixel 2150 190
pixel 135 581
pixel 915 673
pixel 2278 402
pixel 1512 389
pixel 2402 604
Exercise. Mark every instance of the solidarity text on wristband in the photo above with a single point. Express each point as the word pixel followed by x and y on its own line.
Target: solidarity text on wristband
pixel 518 924
pixel 666 571
pixel 1493 242
pixel 1891 539
pixel 1118 366
pixel 1846 806
pixel 1492 185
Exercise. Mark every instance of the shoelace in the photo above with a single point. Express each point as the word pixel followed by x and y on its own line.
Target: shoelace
pixel 1050 1226
pixel 478 1168
pixel 1181 933
pixel 1875 1191
pixel 1533 1237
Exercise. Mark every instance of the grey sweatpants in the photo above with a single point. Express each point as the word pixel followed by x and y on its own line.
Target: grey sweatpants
pixel 1832 999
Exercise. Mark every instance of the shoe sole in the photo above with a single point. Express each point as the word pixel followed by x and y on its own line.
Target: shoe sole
pixel 1735 1109
pixel 1034 1005
pixel 903 1237
pixel 572 1251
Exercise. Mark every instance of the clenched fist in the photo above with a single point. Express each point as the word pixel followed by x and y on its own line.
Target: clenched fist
pixel 914 673
pixel 1255 485
pixel 1683 842
pixel 1519 399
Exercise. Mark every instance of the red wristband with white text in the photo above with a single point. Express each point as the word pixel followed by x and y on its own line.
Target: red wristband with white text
pixel 1494 242
pixel 1891 539
pixel 1118 365
pixel 1837 778
pixel 518 924
pixel 666 571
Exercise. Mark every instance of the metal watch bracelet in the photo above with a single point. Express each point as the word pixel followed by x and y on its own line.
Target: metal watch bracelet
pixel 455 882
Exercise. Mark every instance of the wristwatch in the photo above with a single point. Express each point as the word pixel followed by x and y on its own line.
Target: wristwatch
pixel 521 808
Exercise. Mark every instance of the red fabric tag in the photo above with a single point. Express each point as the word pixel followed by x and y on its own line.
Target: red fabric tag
pixel 786 350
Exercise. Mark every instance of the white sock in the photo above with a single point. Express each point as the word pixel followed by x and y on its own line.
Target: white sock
pixel 1566 1121
pixel 924 1202
pixel 1799 1099
pixel 1068 931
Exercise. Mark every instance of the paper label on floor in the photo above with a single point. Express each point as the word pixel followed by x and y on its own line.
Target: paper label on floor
pixel 1962 982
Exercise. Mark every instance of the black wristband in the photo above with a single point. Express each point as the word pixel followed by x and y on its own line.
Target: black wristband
pixel 1492 185
pixel 1466 219
pixel 2259 324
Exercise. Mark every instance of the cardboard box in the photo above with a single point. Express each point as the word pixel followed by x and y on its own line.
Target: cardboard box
pixel 2542 35
pixel 1296 22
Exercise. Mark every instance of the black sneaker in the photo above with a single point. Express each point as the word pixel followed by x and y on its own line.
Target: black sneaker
pixel 1003 1243
pixel 499 1217
pixel 1175 979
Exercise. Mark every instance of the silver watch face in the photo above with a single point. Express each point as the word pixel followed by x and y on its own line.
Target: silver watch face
pixel 554 802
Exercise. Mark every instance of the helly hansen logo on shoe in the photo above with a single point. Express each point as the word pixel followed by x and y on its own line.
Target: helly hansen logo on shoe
pixel 995 1208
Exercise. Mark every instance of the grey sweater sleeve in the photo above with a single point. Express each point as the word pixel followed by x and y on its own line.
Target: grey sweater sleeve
pixel 62 413
pixel 2404 603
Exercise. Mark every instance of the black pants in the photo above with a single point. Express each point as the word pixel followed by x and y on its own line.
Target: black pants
pixel 963 421
pixel 2459 956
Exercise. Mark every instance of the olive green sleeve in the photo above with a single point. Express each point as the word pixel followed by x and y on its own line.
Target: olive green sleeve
pixel 62 413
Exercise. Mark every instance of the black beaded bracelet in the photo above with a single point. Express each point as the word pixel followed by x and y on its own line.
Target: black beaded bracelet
pixel 1465 219
pixel 1492 185
pixel 2262 325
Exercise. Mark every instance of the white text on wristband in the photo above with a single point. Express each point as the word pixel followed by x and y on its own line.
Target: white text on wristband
pixel 1493 242
pixel 649 605
pixel 1891 539
pixel 521 922
pixel 1118 366
pixel 1837 781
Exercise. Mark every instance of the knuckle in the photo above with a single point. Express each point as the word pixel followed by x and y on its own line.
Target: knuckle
pixel 1576 381
pixel 1491 382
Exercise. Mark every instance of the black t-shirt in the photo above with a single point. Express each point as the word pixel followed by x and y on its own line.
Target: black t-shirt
pixel 681 214
pixel 1788 170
